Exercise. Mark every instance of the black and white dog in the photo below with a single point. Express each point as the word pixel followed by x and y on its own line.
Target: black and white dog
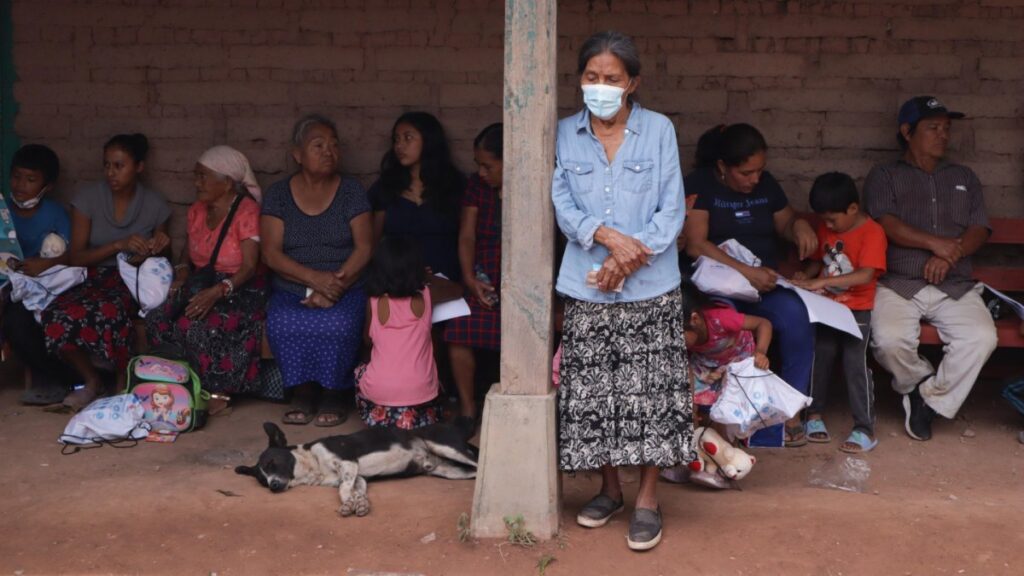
pixel 347 461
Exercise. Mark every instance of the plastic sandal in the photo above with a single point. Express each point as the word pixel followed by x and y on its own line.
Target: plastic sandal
pixel 797 436
pixel 817 426
pixel 863 442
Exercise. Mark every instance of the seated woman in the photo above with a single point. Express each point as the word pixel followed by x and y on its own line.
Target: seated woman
pixel 480 256
pixel 418 192
pixel 219 326
pixel 316 235
pixel 95 318
pixel 737 198
pixel 399 387
pixel 34 171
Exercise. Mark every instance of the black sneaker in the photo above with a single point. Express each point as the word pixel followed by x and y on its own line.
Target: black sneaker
pixel 919 416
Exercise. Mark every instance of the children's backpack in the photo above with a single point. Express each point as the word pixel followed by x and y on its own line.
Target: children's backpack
pixel 170 392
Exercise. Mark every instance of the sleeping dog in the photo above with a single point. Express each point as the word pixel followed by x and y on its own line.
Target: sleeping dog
pixel 348 461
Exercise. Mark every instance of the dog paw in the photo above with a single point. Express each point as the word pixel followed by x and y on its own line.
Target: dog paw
pixel 347 509
pixel 362 507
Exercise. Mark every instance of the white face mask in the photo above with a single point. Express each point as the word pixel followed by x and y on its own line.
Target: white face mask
pixel 30 203
pixel 602 100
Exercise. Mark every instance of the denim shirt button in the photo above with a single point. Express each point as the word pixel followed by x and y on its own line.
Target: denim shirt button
pixel 607 189
pixel 578 168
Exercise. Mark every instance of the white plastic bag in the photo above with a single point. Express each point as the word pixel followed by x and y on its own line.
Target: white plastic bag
pixel 717 279
pixel 37 292
pixel 112 418
pixel 752 399
pixel 149 283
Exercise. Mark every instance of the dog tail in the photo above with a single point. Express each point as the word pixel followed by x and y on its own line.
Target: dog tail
pixel 465 425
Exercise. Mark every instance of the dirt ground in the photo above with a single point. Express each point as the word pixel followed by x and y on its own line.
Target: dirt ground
pixel 950 506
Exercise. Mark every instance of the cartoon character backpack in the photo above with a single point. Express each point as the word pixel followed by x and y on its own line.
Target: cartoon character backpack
pixel 170 392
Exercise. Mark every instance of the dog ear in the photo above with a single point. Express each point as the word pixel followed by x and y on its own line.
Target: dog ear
pixel 247 471
pixel 274 435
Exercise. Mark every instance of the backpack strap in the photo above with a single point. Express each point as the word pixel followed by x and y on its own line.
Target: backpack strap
pixel 224 228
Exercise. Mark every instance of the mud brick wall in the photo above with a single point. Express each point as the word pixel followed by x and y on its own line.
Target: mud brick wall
pixel 822 79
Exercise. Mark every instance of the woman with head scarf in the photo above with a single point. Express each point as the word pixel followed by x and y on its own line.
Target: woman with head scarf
pixel 218 321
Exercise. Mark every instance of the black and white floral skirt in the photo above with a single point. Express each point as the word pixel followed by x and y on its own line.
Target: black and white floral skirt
pixel 624 398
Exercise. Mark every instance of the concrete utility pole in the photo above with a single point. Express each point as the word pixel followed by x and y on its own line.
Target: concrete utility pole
pixel 518 472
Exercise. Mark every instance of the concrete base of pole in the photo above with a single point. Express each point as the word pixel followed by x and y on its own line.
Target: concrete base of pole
pixel 517 473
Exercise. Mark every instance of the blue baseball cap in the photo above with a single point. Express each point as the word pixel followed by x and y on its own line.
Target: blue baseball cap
pixel 920 107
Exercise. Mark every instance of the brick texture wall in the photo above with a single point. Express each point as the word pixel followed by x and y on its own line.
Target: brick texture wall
pixel 821 78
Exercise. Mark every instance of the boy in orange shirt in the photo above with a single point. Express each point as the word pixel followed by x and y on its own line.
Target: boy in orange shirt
pixel 850 258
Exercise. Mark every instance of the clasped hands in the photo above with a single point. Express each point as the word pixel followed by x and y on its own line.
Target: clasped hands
pixel 625 256
pixel 328 288
pixel 946 252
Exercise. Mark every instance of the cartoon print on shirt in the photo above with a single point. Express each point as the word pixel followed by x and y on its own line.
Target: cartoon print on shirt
pixel 836 263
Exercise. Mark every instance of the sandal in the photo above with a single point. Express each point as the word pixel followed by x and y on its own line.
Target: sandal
pixel 219 405
pixel 43 394
pixel 858 443
pixel 331 412
pixel 795 436
pixel 816 431
pixel 73 402
pixel 300 412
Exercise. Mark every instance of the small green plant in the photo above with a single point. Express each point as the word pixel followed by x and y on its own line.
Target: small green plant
pixel 543 563
pixel 462 526
pixel 517 532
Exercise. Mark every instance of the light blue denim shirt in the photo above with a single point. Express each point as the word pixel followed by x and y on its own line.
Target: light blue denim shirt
pixel 639 194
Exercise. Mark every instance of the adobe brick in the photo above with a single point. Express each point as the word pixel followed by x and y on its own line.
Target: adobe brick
pixel 42 126
pixel 1001 68
pixel 470 95
pixel 736 64
pixel 367 21
pixel 819 100
pixel 295 57
pixel 890 66
pixel 81 93
pixel 159 56
pixel 438 59
pixel 857 138
pixel 202 93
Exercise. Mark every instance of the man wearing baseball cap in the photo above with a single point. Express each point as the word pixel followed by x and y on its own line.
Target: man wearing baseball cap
pixel 933 213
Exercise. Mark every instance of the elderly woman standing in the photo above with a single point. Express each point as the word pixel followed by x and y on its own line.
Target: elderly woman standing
pixel 317 237
pixel 219 326
pixel 618 196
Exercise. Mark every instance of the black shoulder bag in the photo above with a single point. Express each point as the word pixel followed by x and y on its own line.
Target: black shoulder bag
pixel 205 277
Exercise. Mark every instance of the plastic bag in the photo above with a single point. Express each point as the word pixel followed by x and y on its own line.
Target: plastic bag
pixel 752 399
pixel 717 279
pixel 37 292
pixel 149 283
pixel 107 419
pixel 846 473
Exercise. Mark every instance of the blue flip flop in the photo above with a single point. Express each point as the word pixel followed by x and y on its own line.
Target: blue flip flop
pixel 862 440
pixel 817 426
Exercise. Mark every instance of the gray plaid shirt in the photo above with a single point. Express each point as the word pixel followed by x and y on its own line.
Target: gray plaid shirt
pixel 944 203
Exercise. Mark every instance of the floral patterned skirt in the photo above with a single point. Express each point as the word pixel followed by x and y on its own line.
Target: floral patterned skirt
pixel 623 399
pixel 95 317
pixel 405 417
pixel 223 347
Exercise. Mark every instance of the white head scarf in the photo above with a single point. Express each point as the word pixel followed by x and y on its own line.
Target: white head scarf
pixel 233 164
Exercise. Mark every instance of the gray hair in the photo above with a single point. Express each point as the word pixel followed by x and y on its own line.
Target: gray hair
pixel 303 126
pixel 615 43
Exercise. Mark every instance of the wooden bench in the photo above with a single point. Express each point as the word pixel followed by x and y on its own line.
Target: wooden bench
pixel 1006 279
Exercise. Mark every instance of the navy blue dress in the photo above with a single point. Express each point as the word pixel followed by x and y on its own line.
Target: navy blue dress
pixel 316 344
pixel 436 232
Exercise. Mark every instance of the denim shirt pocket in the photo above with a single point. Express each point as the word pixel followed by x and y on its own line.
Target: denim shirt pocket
pixel 637 176
pixel 581 176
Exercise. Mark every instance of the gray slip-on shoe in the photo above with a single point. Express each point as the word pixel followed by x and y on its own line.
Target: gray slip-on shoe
pixel 598 511
pixel 644 529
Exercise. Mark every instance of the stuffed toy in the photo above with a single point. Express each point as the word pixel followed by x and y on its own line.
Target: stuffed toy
pixel 713 452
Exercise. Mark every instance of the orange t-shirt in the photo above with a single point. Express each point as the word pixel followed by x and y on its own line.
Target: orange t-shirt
pixel 862 247
pixel 201 240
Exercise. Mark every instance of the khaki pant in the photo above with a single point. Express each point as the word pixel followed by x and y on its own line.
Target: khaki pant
pixel 965 328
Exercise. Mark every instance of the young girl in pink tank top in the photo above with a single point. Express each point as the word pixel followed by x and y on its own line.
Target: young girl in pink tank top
pixel 400 386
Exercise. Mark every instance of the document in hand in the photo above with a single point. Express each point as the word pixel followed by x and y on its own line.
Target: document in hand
pixel 823 310
pixel 448 310
pixel 1017 307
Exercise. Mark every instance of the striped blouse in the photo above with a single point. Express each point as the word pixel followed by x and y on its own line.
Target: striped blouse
pixel 943 203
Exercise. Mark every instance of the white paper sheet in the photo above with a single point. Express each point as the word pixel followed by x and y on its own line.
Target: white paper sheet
pixel 1017 307
pixel 450 309
pixel 825 311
